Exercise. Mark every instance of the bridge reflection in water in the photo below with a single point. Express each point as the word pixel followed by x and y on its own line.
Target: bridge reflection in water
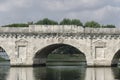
pixel 99 74
pixel 20 74
pixel 59 73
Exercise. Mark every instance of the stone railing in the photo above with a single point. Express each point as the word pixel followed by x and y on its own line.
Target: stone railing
pixel 58 29
pixel 55 28
pixel 14 29
pixel 102 30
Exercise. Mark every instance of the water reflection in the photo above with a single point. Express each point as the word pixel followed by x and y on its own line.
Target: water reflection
pixel 4 71
pixel 73 73
pixel 59 73
pixel 20 74
pixel 116 72
pixel 99 74
pixel 66 73
pixel 40 73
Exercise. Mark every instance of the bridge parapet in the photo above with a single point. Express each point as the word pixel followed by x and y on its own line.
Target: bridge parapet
pixel 71 29
pixel 102 30
pixel 55 28
pixel 14 29
pixel 59 29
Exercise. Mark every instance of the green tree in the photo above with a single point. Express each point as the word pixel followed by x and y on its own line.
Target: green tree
pixel 76 22
pixel 66 22
pixel 16 25
pixel 109 26
pixel 46 21
pixel 92 24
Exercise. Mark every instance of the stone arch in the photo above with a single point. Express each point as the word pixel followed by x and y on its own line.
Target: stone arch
pixel 115 59
pixel 115 54
pixel 9 49
pixel 4 53
pixel 41 55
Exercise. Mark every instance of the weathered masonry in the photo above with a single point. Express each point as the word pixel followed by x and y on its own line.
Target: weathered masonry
pixel 31 45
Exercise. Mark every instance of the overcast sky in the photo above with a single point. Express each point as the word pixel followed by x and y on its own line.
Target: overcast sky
pixel 18 11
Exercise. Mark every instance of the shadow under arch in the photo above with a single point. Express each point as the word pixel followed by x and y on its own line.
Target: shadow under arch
pixel 41 55
pixel 116 59
pixel 4 58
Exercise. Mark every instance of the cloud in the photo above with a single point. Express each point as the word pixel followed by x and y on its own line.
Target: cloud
pixel 56 5
pixel 102 11
pixel 105 15
pixel 8 5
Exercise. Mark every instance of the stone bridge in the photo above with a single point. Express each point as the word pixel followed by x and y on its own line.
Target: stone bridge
pixel 31 45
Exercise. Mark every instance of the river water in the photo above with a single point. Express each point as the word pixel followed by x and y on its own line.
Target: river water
pixel 59 73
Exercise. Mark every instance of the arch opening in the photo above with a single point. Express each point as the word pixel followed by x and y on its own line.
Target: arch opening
pixel 116 59
pixel 4 58
pixel 59 54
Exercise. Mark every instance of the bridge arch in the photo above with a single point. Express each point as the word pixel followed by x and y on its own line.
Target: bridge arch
pixel 116 58
pixel 4 56
pixel 42 54
pixel 114 54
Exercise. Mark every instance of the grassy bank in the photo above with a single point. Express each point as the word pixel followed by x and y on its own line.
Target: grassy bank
pixel 2 59
pixel 70 63
pixel 65 57
pixel 65 60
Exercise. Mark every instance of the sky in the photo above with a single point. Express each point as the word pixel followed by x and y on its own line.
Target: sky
pixel 23 11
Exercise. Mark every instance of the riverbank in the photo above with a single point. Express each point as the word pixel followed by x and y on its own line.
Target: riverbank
pixel 66 60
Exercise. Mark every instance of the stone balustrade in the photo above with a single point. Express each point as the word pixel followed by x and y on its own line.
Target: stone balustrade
pixel 58 29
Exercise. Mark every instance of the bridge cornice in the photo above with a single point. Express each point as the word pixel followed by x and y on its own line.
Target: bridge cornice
pixel 57 35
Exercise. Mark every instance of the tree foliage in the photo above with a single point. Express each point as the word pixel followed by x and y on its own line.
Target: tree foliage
pixel 17 25
pixel 65 21
pixel 92 24
pixel 71 22
pixel 46 21
pixel 76 22
pixel 108 26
